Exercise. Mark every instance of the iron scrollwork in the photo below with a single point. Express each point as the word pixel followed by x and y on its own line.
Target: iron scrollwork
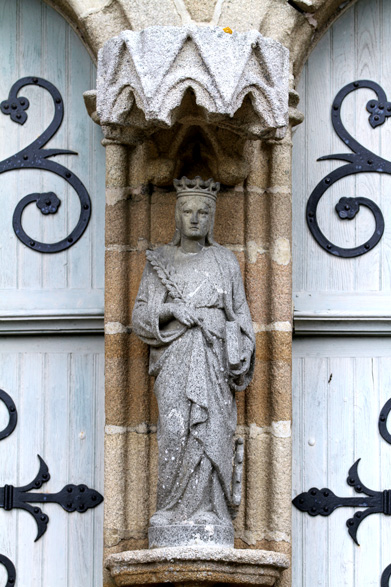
pixel 10 568
pixel 34 156
pixel 71 498
pixel 386 576
pixel 324 502
pixel 383 421
pixel 12 412
pixel 361 160
pixel 12 422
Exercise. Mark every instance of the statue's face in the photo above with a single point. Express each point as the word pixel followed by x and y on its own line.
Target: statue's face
pixel 195 217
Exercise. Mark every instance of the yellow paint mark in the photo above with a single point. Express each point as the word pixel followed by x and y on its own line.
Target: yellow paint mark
pixel 228 30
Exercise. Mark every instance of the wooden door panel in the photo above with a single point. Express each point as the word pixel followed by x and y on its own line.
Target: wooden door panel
pixel 57 386
pixel 340 386
pixel 36 40
pixel 55 381
pixel 355 47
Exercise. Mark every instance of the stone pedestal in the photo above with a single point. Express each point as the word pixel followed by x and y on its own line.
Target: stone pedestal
pixel 193 566
pixel 190 535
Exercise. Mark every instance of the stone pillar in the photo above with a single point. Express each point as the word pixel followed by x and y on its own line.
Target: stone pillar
pixel 268 399
pixel 229 120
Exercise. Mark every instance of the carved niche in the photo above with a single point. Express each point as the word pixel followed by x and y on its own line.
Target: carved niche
pixel 195 90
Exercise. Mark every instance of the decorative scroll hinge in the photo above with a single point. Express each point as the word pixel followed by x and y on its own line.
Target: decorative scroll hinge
pixel 71 498
pixel 323 502
pixel 12 414
pixel 35 156
pixel 360 160
pixel 10 568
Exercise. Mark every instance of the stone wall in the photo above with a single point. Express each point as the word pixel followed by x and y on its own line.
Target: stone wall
pixel 298 24
pixel 254 220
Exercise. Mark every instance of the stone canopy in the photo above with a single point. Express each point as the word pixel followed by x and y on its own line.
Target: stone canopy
pixel 143 77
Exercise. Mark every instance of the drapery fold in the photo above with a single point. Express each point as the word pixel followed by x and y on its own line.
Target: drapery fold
pixel 195 392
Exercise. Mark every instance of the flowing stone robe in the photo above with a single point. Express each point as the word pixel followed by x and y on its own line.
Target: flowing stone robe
pixel 194 389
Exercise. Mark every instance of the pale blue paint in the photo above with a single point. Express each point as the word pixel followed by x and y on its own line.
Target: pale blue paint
pixel 55 381
pixel 37 40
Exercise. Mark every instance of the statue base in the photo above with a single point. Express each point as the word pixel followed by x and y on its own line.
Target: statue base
pixel 181 535
pixel 197 566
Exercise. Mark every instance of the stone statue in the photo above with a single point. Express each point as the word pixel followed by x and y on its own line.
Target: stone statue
pixel 191 309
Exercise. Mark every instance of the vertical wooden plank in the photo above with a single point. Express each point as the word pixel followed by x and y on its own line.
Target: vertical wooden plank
pixel 298 561
pixel 318 100
pixel 81 456
pixel 367 447
pixel 8 66
pixel 55 226
pixel 97 180
pixel 9 381
pixel 30 58
pixel 341 457
pixel 368 185
pixel 342 233
pixel 384 370
pixel 385 137
pixel 315 465
pixel 56 393
pixel 98 477
pixel 79 266
pixel 30 437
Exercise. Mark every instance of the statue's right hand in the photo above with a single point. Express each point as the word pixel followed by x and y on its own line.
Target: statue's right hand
pixel 183 314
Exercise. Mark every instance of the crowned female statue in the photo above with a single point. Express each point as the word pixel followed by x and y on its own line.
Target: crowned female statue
pixel 191 310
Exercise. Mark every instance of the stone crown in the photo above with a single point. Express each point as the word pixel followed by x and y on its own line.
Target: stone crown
pixel 197 187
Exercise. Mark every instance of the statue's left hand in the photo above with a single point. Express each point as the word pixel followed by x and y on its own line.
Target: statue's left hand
pixel 246 360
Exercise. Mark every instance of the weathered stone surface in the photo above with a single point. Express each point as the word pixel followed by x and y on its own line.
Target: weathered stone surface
pixel 142 79
pixel 116 166
pixel 267 400
pixel 241 16
pixel 191 310
pixel 191 535
pixel 162 216
pixel 200 10
pixel 274 346
pixel 267 484
pixel 99 20
pixel 229 227
pixel 126 482
pixel 282 22
pixel 144 13
pixel 260 157
pixel 196 565
pixel 309 5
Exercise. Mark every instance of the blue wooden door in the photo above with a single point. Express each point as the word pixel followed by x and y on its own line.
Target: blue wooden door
pixel 341 366
pixel 51 305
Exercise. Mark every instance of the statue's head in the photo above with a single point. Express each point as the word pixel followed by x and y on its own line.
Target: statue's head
pixel 195 193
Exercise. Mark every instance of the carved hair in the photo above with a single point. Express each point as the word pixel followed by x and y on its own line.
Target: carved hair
pixel 209 240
